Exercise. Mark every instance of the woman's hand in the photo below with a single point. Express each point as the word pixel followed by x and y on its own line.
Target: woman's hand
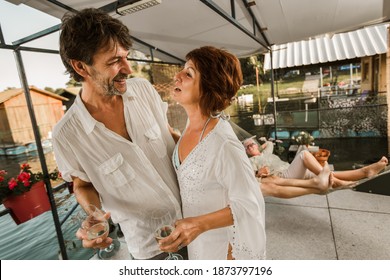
pixel 186 230
pixel 263 171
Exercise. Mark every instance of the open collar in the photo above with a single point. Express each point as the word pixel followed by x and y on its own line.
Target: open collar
pixel 87 121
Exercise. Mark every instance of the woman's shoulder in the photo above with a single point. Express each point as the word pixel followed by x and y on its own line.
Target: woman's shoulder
pixel 225 134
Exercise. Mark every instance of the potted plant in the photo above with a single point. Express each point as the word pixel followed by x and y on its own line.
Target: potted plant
pixel 25 195
pixel 322 156
pixel 303 138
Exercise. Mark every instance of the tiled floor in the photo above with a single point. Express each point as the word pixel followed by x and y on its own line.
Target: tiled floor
pixel 346 224
pixel 343 225
pixel 122 254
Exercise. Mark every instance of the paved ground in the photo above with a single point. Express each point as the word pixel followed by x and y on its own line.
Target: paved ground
pixel 345 225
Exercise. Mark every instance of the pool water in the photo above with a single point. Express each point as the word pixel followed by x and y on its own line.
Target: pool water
pixel 36 239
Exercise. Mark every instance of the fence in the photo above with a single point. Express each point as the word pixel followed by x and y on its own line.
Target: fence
pixel 330 116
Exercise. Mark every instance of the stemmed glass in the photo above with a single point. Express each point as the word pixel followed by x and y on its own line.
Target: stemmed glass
pixel 96 225
pixel 162 221
pixel 111 250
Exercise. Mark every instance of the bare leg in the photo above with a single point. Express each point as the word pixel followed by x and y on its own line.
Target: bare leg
pixel 311 162
pixel 337 184
pixel 272 189
pixel 344 178
pixel 364 172
pixel 287 188
pixel 298 169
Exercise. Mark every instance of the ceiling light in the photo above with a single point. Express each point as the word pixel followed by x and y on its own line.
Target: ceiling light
pixel 135 6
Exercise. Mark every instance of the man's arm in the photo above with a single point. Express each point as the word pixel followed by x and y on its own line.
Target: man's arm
pixel 86 194
pixel 268 148
pixel 175 134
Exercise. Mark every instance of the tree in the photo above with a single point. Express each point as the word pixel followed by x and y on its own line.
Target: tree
pixel 248 67
pixel 49 89
pixel 247 71
pixel 72 83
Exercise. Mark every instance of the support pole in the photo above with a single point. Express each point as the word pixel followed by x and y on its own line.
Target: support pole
pixel 351 79
pixel 388 89
pixel 273 93
pixel 46 179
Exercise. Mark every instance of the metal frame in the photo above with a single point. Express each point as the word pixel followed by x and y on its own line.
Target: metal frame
pixel 17 48
pixel 232 20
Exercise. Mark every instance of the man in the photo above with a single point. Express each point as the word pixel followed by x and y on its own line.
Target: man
pixel 304 166
pixel 268 168
pixel 114 143
pixel 262 157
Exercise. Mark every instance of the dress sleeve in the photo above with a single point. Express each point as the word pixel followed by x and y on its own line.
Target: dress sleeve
pixel 235 174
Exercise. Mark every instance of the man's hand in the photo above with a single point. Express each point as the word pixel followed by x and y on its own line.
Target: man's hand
pixel 98 243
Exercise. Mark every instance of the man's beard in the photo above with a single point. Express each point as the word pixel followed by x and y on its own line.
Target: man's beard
pixel 108 88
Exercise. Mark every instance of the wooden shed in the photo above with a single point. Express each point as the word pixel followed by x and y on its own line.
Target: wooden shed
pixel 70 93
pixel 15 123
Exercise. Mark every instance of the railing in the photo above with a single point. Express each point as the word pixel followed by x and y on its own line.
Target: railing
pixel 68 215
pixel 335 115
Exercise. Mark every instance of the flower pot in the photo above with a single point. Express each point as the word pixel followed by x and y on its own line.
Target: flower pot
pixel 322 155
pixel 28 205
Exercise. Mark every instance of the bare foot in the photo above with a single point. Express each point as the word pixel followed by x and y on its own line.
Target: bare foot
pixel 322 181
pixel 375 168
pixel 341 184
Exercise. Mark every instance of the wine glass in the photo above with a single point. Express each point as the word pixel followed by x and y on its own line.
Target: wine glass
pixel 111 250
pixel 162 221
pixel 94 223
pixel 97 226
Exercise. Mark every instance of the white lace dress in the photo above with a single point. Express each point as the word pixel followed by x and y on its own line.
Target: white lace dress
pixel 216 174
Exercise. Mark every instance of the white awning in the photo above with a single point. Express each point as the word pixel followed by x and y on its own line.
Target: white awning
pixel 363 42
pixel 177 26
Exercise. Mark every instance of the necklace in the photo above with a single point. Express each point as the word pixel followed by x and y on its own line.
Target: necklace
pixel 204 128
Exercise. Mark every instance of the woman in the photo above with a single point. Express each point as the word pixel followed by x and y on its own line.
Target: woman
pixel 223 208
pixel 217 192
pixel 304 165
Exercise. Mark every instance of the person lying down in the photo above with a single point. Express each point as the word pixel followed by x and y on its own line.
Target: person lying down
pixel 269 168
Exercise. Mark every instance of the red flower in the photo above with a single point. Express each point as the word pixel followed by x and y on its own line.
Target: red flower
pixel 25 166
pixel 24 177
pixel 22 183
pixel 12 183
